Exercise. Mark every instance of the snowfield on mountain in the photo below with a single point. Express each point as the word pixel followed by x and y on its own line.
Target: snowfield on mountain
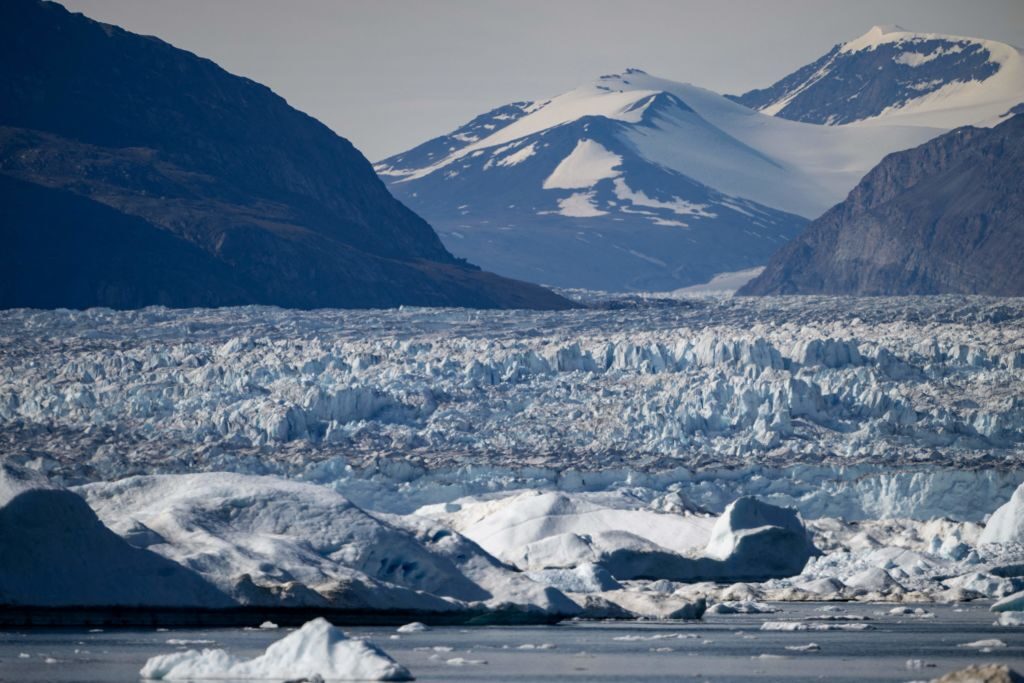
pixel 892 75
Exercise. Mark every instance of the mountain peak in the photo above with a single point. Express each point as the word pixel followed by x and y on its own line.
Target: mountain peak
pixel 876 35
pixel 924 79
pixel 629 71
pixel 883 29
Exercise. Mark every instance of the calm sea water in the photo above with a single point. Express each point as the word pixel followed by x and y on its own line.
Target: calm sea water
pixel 720 648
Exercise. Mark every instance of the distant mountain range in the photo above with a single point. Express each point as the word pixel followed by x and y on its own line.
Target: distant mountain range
pixel 635 182
pixel 945 217
pixel 631 182
pixel 135 173
pixel 567 193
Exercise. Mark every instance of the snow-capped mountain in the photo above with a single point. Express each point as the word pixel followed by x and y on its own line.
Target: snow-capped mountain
pixel 899 76
pixel 631 182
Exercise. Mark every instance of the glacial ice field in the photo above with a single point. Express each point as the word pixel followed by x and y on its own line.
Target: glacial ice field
pixel 644 456
pixel 841 407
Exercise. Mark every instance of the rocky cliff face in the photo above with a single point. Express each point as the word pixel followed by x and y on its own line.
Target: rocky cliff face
pixel 945 217
pixel 136 173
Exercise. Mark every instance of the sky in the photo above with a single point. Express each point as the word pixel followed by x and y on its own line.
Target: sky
pixel 390 74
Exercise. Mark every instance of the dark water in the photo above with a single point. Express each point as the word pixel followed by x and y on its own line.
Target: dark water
pixel 721 648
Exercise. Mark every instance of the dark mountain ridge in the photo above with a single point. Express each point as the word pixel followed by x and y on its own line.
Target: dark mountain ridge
pixel 943 218
pixel 264 204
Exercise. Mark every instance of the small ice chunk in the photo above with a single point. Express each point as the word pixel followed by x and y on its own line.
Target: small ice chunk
pixel 801 626
pixel 784 626
pixel 462 661
pixel 413 627
pixel 987 643
pixel 268 625
pixel 809 647
pixel 741 607
pixel 1010 619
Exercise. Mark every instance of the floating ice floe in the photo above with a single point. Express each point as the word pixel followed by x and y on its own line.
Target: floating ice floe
pixel 317 651
pixel 463 661
pixel 1010 619
pixel 741 607
pixel 985 644
pixel 804 626
pixel 809 647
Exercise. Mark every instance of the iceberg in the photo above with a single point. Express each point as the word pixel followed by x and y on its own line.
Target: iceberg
pixel 1006 525
pixel 56 552
pixel 317 651
pixel 271 541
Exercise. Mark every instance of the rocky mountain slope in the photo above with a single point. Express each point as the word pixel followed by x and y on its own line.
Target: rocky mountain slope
pixel 946 217
pixel 894 75
pixel 631 182
pixel 135 173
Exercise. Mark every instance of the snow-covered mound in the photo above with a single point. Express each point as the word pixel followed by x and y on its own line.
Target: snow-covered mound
pixel 750 541
pixel 1007 523
pixel 538 530
pixel 56 552
pixel 553 531
pixel 893 76
pixel 753 538
pixel 267 540
pixel 631 182
pixel 317 651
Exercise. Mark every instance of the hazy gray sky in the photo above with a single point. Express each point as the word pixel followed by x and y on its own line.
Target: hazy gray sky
pixel 389 74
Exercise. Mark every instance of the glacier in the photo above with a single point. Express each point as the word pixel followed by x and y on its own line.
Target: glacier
pixel 623 459
pixel 838 407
